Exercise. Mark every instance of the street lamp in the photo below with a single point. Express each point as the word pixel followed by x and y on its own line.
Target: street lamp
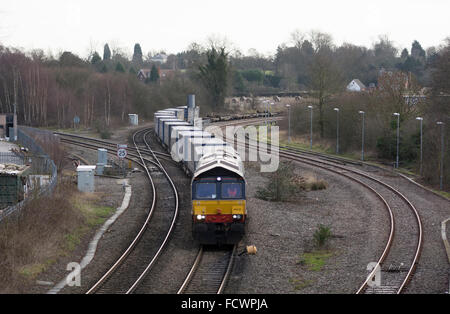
pixel 311 107
pixel 421 147
pixel 442 155
pixel 289 122
pixel 398 135
pixel 337 130
pixel 362 137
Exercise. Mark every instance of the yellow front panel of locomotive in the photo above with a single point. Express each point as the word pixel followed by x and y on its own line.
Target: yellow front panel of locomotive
pixel 212 207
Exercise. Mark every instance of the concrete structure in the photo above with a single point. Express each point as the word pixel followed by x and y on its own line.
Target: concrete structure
pixel 86 175
pixel 102 156
pixel 102 160
pixel 134 120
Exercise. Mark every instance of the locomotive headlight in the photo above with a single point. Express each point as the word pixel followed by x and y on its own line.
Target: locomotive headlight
pixel 200 217
pixel 219 179
pixel 237 217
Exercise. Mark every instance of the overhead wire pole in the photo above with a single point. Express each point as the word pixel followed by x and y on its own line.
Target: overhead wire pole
pixel 337 130
pixel 289 122
pixel 441 176
pixel 398 136
pixel 311 130
pixel 421 146
pixel 362 136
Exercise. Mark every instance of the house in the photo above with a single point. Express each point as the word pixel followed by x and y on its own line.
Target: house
pixel 356 86
pixel 143 74
pixel 160 57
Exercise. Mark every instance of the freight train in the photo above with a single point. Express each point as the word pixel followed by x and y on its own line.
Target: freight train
pixel 218 184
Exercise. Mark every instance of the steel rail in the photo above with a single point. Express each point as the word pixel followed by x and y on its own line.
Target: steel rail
pixel 398 193
pixel 171 228
pixel 122 258
pixel 196 266
pixel 111 151
pixel 192 271
pixel 103 141
pixel 128 251
pixel 313 162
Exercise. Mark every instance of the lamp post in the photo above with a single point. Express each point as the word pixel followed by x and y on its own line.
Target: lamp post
pixel 441 177
pixel 311 107
pixel 362 136
pixel 398 135
pixel 421 147
pixel 289 122
pixel 337 130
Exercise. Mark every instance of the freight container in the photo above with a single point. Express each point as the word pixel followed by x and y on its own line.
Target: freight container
pixel 176 129
pixel 161 115
pixel 168 130
pixel 181 142
pixel 159 128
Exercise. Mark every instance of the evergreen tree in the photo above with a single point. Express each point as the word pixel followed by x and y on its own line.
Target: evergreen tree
pixel 417 51
pixel 120 68
pixel 96 58
pixel 106 53
pixel 154 75
pixel 405 54
pixel 137 55
pixel 214 75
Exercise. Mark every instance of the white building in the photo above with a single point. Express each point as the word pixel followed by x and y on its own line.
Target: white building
pixel 160 57
pixel 356 86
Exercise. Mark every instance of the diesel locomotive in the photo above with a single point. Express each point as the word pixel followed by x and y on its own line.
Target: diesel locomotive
pixel 218 184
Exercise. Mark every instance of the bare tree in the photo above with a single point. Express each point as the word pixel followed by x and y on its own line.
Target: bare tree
pixel 325 77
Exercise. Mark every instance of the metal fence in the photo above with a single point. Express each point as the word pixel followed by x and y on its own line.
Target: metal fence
pixel 11 158
pixel 40 161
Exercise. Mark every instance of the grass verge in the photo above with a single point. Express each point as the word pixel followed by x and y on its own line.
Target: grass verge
pixel 45 230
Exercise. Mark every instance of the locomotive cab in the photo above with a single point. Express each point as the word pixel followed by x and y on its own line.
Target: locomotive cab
pixel 218 207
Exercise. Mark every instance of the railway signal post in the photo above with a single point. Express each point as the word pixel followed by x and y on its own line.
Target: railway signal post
pixel 362 136
pixel 311 133
pixel 398 136
pixel 421 151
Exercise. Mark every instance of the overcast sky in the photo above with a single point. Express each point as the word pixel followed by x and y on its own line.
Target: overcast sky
pixel 172 25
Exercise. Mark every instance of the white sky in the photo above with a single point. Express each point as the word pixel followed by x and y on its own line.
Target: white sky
pixel 172 25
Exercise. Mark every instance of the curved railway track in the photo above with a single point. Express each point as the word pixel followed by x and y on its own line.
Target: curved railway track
pixel 402 250
pixel 403 244
pixel 125 275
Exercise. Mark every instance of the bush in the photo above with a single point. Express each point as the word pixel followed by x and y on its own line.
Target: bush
pixel 281 186
pixel 321 235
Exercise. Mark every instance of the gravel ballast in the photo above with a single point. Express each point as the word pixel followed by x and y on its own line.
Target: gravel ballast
pixel 283 231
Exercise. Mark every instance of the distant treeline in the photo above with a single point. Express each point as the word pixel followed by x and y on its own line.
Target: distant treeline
pixel 103 88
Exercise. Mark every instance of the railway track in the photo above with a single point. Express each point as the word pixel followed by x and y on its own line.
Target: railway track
pixel 397 262
pixel 402 250
pixel 126 274
pixel 113 145
pixel 210 271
